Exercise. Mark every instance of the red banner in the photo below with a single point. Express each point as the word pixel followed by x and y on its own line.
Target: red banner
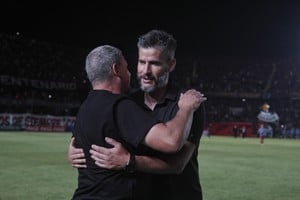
pixel 226 128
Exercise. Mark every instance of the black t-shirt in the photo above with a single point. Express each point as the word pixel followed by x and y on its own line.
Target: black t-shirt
pixel 105 114
pixel 185 186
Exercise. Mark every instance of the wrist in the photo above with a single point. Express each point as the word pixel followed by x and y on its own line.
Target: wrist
pixel 186 110
pixel 130 166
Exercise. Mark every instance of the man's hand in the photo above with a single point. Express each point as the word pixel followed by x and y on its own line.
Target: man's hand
pixel 114 158
pixel 76 156
pixel 191 100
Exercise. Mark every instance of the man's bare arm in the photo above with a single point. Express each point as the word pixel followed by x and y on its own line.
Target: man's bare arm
pixel 170 164
pixel 169 137
pixel 117 157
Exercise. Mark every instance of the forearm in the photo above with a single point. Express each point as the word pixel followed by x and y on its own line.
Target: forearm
pixel 168 164
pixel 152 165
pixel 170 137
pixel 180 127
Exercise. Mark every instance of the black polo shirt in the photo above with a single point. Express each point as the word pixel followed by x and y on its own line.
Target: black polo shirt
pixel 185 186
pixel 105 114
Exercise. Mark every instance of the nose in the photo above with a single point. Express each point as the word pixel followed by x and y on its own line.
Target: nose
pixel 146 68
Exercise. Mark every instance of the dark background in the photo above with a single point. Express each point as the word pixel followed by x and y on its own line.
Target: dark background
pixel 247 28
pixel 216 42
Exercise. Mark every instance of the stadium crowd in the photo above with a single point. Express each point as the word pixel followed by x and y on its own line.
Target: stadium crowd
pixel 46 78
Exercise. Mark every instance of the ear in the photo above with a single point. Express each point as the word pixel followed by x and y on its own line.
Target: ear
pixel 172 64
pixel 115 69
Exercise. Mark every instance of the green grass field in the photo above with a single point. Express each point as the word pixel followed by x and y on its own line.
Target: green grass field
pixel 34 166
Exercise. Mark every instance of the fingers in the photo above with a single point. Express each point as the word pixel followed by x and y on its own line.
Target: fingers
pixel 109 158
pixel 76 156
pixel 101 159
pixel 79 165
pixel 76 152
pixel 111 141
pixel 73 150
pixel 99 149
pixel 193 99
pixel 194 93
pixel 104 165
pixel 72 143
pixel 99 153
pixel 77 160
pixel 199 95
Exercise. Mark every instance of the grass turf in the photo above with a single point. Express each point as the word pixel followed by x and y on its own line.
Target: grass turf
pixel 236 168
pixel 34 166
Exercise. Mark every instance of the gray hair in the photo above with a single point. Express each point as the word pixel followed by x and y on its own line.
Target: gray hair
pixel 159 39
pixel 99 62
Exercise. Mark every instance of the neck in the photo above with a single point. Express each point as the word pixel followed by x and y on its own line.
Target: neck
pixel 153 98
pixel 113 88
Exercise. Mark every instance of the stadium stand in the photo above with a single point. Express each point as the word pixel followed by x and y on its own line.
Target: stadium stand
pixel 43 78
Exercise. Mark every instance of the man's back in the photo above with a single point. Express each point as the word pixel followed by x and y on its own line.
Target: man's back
pixel 104 114
pixel 95 121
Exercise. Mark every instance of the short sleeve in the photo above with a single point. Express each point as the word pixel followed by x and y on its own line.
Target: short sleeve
pixel 197 125
pixel 133 121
